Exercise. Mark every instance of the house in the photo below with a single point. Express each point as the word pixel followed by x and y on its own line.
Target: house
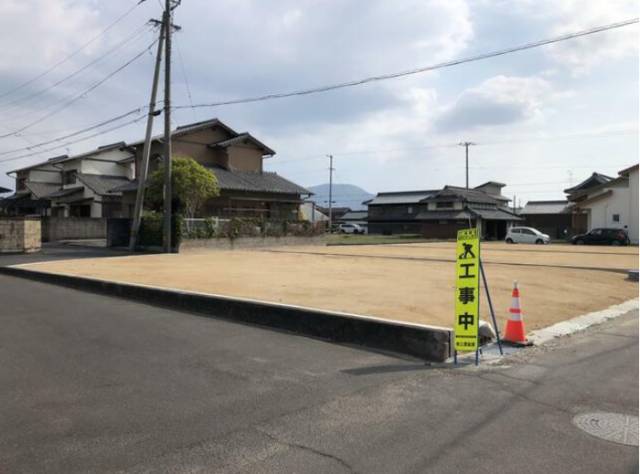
pixel 439 213
pixel 631 174
pixel 605 201
pixel 103 182
pixel 336 212
pixel 311 213
pixel 74 186
pixel 236 159
pixel 549 217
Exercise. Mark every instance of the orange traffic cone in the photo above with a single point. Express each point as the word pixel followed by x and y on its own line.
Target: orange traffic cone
pixel 514 330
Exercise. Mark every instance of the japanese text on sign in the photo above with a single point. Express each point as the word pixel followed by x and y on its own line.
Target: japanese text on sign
pixel 467 297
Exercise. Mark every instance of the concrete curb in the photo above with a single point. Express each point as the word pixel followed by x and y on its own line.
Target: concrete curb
pixel 539 337
pixel 431 343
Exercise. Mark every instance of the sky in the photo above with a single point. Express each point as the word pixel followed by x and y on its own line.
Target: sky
pixel 541 120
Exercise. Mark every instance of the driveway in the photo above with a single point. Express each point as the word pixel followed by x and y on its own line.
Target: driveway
pixel 98 384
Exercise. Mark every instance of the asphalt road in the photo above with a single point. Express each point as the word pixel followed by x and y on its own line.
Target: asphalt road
pixel 98 384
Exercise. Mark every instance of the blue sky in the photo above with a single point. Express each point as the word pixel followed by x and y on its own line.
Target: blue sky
pixel 542 119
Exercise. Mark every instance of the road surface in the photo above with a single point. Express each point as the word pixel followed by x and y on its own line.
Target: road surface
pixel 97 384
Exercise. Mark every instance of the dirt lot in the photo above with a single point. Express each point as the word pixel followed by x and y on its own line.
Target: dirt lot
pixel 410 282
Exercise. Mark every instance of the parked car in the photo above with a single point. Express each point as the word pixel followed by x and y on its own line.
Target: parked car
pixel 350 229
pixel 602 236
pixel 526 235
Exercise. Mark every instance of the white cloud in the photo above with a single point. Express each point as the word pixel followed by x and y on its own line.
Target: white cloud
pixel 580 55
pixel 500 100
pixel 55 28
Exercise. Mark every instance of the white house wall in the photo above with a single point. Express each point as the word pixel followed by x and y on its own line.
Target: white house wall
pixel 109 166
pixel 45 175
pixel 633 206
pixel 601 212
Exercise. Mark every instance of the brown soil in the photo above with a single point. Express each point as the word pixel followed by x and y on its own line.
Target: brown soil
pixel 406 287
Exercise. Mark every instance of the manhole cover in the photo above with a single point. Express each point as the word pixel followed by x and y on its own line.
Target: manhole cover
pixel 615 427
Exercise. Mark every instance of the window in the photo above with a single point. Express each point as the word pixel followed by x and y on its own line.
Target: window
pixel 527 232
pixel 410 209
pixel 21 184
pixel 69 177
pixel 444 205
pixel 616 218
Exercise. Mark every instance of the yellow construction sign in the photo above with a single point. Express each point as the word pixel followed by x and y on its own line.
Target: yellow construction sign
pixel 467 290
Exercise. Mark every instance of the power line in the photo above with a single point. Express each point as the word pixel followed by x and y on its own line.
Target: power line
pixel 30 97
pixel 410 72
pixel 184 75
pixel 73 142
pixel 74 53
pixel 79 132
pixel 79 96
pixel 453 145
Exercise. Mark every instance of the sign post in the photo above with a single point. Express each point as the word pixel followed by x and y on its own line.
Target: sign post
pixel 467 291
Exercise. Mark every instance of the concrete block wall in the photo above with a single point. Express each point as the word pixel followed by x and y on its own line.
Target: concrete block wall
pixel 20 234
pixel 71 228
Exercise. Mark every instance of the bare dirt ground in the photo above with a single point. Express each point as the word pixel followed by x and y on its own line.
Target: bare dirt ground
pixel 409 282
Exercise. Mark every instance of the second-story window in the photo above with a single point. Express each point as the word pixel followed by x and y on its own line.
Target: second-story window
pixel 21 184
pixel 410 210
pixel 69 177
pixel 444 205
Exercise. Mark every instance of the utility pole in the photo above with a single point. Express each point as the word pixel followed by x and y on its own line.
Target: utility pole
pixel 466 146
pixel 331 170
pixel 514 203
pixel 146 151
pixel 166 224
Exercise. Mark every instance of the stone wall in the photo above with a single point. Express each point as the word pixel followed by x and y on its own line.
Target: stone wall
pixel 19 234
pixel 249 242
pixel 72 228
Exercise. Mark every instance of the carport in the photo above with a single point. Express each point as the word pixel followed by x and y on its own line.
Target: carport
pixel 494 223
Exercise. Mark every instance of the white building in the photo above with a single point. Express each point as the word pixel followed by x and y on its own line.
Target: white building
pixel 75 186
pixel 610 202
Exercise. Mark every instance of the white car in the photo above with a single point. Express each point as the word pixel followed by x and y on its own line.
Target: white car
pixel 350 229
pixel 526 235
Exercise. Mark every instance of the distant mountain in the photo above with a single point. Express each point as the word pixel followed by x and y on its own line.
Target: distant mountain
pixel 344 195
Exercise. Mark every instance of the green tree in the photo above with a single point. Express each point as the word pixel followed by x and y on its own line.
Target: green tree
pixel 192 184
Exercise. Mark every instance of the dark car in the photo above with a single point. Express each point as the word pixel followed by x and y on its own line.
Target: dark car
pixel 602 236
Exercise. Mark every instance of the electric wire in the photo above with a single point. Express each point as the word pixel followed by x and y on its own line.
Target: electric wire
pixel 394 75
pixel 72 54
pixel 76 133
pixel 28 98
pixel 73 142
pixel 81 95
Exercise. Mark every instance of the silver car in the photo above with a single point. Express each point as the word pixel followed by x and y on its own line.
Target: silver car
pixel 526 235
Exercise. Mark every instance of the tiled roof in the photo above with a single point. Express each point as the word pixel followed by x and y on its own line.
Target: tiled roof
pixel 64 192
pixel 470 195
pixel 41 190
pixel 594 180
pixel 355 215
pixel 402 197
pixel 267 182
pixel 496 214
pixel 125 187
pixel 242 137
pixel 628 170
pixel 545 207
pixel 442 215
pixel 101 184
